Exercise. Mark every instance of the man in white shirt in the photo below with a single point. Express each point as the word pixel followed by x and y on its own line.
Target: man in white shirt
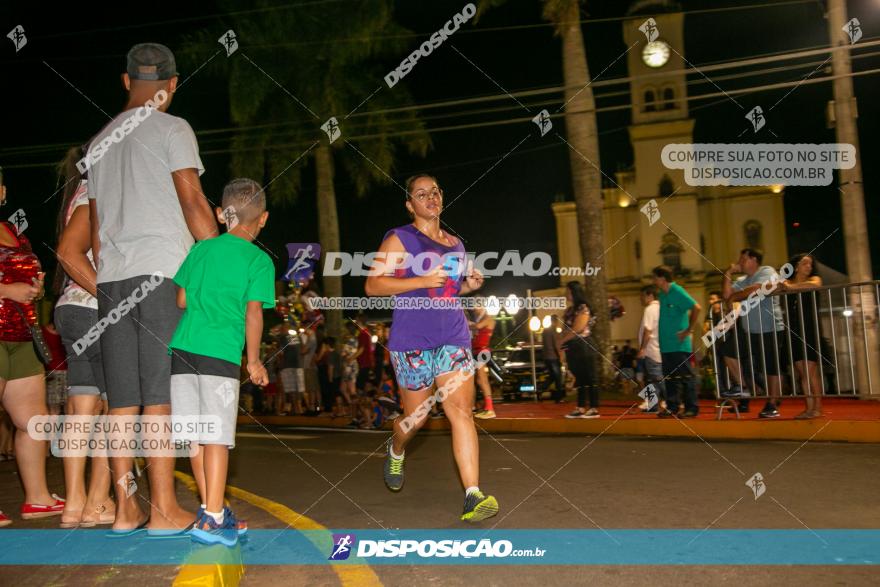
pixel 650 362
pixel 147 209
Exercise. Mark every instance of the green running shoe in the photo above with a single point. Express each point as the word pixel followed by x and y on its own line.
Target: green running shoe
pixel 393 471
pixel 478 507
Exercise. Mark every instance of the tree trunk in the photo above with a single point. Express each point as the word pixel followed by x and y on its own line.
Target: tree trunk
pixel 328 232
pixel 580 124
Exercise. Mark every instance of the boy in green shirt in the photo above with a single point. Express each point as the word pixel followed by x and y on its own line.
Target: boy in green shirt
pixel 225 283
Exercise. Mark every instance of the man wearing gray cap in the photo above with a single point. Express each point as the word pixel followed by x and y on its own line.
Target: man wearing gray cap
pixel 147 208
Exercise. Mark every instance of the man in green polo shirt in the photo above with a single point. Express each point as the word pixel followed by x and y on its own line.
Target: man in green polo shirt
pixel 679 313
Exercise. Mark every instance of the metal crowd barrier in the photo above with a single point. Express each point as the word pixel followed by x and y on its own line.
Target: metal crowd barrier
pixel 843 323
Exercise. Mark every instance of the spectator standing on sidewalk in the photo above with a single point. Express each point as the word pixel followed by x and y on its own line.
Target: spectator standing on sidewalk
pixel 762 323
pixel 679 313
pixel 482 327
pixel 554 358
pixel 147 209
pixel 726 348
pixel 805 340
pixel 580 350
pixel 310 372
pixel 648 356
pixel 366 356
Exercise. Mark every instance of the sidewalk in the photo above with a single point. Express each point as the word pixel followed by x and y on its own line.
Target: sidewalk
pixel 845 420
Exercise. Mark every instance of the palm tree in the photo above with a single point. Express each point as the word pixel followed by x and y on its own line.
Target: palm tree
pixel 583 139
pixel 583 142
pixel 296 68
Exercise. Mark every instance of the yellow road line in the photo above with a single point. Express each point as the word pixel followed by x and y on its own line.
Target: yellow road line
pixel 349 575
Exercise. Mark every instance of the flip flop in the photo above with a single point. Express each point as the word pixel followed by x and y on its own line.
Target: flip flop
pixel 126 533
pixel 169 533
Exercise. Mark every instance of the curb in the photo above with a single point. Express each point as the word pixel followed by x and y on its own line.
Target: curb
pixel 827 430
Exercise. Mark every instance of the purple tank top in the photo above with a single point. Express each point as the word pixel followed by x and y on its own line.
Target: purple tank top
pixel 429 328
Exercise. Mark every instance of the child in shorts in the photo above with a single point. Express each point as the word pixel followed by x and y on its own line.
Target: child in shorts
pixel 225 283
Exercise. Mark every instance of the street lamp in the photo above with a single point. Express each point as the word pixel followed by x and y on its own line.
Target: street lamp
pixel 511 305
pixel 546 322
pixel 492 306
pixel 534 324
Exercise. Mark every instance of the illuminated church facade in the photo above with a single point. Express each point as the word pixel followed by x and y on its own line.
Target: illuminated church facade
pixel 698 230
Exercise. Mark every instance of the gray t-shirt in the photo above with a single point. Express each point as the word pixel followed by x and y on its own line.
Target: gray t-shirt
pixel 141 225
pixel 767 315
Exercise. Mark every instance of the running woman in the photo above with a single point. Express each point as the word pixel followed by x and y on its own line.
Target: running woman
pixel 430 348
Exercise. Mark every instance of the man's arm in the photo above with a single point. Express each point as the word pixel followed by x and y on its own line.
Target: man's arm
pixel 194 204
pixel 643 344
pixel 181 298
pixel 93 223
pixel 693 318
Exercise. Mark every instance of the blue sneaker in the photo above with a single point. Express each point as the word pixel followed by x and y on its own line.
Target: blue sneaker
pixel 241 525
pixel 208 531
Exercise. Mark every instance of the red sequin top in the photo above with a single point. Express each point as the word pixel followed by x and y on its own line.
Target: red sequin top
pixel 18 264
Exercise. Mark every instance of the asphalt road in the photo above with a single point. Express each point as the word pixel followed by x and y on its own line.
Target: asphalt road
pixel 604 482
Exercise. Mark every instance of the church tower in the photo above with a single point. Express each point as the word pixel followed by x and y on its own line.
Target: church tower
pixel 696 231
pixel 658 98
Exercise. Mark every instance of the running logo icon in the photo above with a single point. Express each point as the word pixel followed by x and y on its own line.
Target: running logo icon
pixel 649 27
pixel 651 212
pixel 543 121
pixel 756 117
pixel 342 547
pixel 128 484
pixel 229 42
pixel 18 38
pixel 649 394
pixel 854 29
pixel 331 127
pixel 302 259
pixel 19 221
pixel 757 485
pixel 230 217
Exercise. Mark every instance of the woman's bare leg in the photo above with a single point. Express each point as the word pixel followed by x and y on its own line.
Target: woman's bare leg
pixel 75 467
pixel 24 398
pixel 412 415
pixel 98 494
pixel 458 403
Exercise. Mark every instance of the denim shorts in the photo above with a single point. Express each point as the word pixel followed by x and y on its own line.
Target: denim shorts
pixel 85 373
pixel 417 369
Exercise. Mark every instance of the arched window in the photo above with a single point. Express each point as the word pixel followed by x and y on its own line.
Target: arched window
pixel 752 233
pixel 650 98
pixel 670 250
pixel 668 99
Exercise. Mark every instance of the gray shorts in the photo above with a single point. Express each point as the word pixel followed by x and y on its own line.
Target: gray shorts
pixel 205 389
pixel 134 349
pixel 85 375
pixel 293 380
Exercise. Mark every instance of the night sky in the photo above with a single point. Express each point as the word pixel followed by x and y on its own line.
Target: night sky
pixel 508 207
